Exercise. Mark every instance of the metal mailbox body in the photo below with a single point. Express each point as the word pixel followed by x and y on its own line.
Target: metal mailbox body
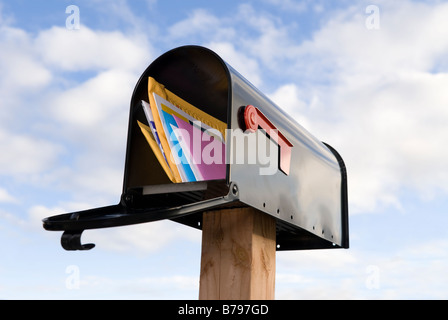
pixel 309 201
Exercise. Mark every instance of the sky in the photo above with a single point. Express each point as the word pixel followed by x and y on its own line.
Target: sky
pixel 368 77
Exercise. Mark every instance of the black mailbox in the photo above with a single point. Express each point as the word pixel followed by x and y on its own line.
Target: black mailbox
pixel 251 154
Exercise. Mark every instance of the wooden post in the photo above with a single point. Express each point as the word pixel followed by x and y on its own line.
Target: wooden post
pixel 238 255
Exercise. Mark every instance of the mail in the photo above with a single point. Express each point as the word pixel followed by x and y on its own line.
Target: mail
pixel 188 143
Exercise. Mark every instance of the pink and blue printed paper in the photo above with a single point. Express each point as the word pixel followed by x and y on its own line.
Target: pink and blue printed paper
pixel 209 163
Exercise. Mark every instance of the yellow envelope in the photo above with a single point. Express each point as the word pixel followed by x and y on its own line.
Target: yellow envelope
pixel 155 148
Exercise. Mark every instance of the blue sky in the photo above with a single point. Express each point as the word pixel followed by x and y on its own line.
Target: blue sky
pixel 377 95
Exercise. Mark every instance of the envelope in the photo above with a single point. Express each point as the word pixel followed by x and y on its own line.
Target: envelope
pixel 173 123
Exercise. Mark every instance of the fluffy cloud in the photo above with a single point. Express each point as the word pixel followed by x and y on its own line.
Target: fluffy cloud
pixel 60 126
pixel 289 97
pixel 20 68
pixel 95 101
pixel 245 65
pixel 5 196
pixel 378 97
pixel 23 154
pixel 142 238
pixel 289 5
pixel 396 274
pixel 201 24
pixel 86 49
pixel 198 21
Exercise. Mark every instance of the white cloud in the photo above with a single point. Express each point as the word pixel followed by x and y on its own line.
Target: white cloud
pixel 312 274
pixel 96 181
pixel 93 116
pixel 6 197
pixel 411 37
pixel 377 96
pixel 94 102
pixel 89 117
pixel 289 98
pixel 142 238
pixel 269 41
pixel 37 212
pixel 149 287
pixel 413 272
pixel 23 154
pixel 86 49
pixel 244 64
pixel 20 68
pixel 289 5
pixel 22 76
pixel 199 21
pixel 325 259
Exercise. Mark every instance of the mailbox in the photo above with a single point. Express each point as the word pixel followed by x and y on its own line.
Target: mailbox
pixel 235 148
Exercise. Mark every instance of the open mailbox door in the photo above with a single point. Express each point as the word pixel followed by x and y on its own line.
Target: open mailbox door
pixel 200 138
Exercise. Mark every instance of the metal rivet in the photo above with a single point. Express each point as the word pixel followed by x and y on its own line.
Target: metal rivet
pixel 235 189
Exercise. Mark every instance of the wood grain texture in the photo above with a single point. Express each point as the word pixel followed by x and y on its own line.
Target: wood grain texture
pixel 238 255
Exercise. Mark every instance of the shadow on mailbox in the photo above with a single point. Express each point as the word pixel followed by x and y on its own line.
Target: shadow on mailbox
pixel 200 138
